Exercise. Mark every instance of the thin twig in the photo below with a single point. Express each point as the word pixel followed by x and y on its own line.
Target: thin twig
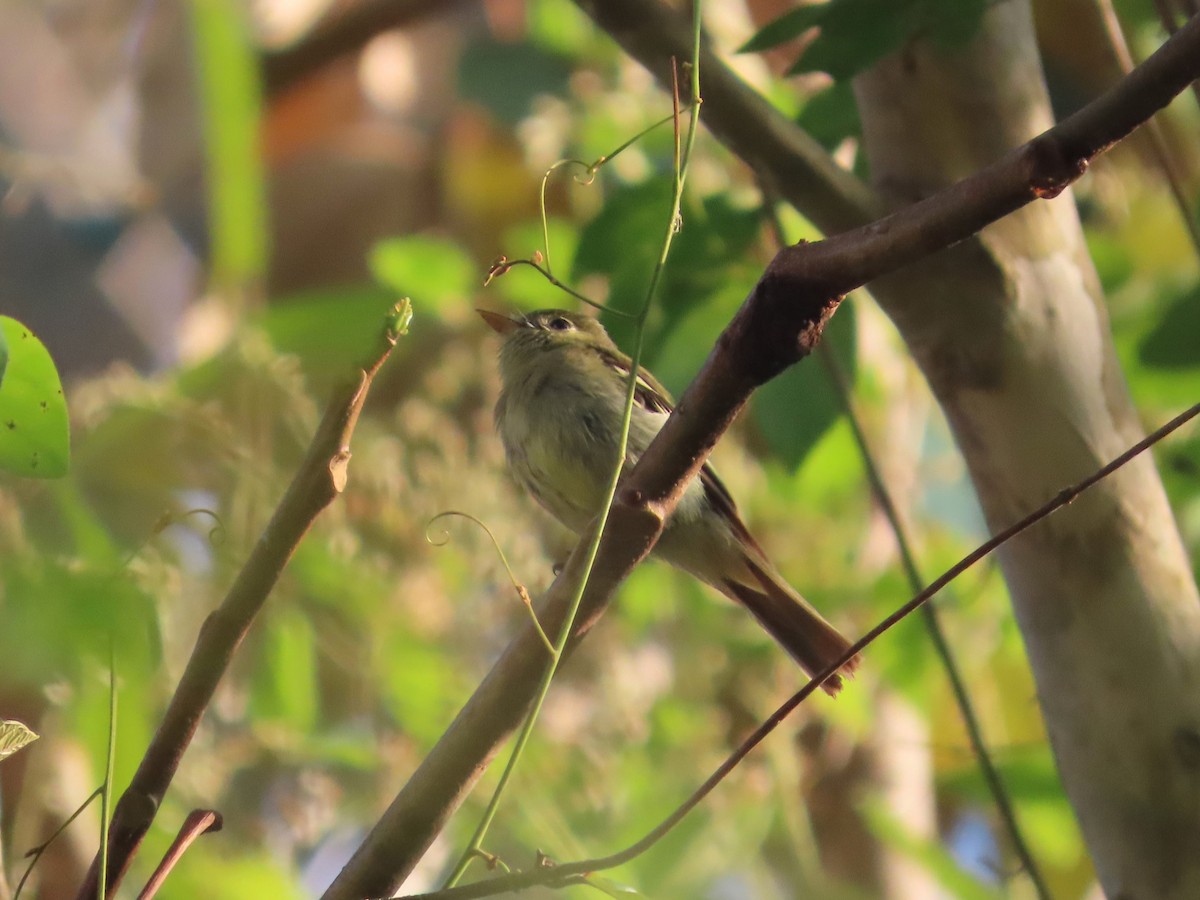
pixel 109 762
pixel 681 160
pixel 590 170
pixel 559 874
pixel 521 590
pixel 933 625
pixel 198 822
pixel 35 853
pixel 779 324
pixel 502 266
pixel 319 480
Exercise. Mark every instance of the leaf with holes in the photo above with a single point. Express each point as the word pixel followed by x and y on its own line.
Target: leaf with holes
pixel 34 432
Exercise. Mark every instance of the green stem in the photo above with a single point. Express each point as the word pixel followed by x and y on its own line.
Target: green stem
pixel 106 792
pixel 593 548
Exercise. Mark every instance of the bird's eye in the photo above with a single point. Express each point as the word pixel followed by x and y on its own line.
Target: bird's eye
pixel 559 323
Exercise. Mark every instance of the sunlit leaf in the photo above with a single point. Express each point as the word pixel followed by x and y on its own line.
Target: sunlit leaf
pixel 399 318
pixel 560 27
pixel 13 736
pixel 330 328
pixel 34 429
pixel 526 288
pixel 432 271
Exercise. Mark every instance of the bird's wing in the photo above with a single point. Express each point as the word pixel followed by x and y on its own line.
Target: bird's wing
pixel 653 397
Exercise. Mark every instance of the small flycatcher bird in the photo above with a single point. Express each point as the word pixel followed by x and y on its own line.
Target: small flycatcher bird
pixel 559 417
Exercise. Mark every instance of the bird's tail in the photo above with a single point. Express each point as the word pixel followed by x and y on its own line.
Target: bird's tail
pixel 792 621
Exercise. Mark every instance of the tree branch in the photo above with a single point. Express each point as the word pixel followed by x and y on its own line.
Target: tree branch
pixel 568 873
pixel 320 479
pixel 780 323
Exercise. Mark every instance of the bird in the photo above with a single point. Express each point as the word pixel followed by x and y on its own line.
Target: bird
pixel 559 415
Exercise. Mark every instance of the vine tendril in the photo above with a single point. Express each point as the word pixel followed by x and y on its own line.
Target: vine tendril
pixel 522 593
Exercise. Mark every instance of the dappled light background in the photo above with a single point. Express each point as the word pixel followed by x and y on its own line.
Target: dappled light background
pixel 206 216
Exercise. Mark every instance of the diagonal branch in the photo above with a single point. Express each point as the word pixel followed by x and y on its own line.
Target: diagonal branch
pixel 567 873
pixel 780 323
pixel 320 479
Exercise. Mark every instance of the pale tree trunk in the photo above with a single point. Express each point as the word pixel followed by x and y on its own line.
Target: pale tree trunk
pixel 1014 340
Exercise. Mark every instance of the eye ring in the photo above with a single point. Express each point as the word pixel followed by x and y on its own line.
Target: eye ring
pixel 559 323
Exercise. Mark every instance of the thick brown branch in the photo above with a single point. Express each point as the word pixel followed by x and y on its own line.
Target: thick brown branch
pixel 320 479
pixel 779 324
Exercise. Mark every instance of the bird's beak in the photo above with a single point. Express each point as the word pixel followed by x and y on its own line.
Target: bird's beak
pixel 499 323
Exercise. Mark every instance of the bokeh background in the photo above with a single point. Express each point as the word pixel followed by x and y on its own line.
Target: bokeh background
pixel 209 206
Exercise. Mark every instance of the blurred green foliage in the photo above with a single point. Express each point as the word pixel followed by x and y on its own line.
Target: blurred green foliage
pixel 34 431
pixel 227 70
pixel 854 34
pixel 374 637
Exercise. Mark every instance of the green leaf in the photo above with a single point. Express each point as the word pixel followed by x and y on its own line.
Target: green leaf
pixel 13 736
pixel 561 28
pixel 1028 773
pixel 954 22
pixel 328 328
pixel 855 34
pixel 623 242
pixel 858 33
pixel 628 231
pixel 430 270
pixel 795 409
pixel 787 27
pixel 399 318
pixel 831 116
pixel 1174 342
pixel 230 96
pixel 35 433
pixel 525 288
